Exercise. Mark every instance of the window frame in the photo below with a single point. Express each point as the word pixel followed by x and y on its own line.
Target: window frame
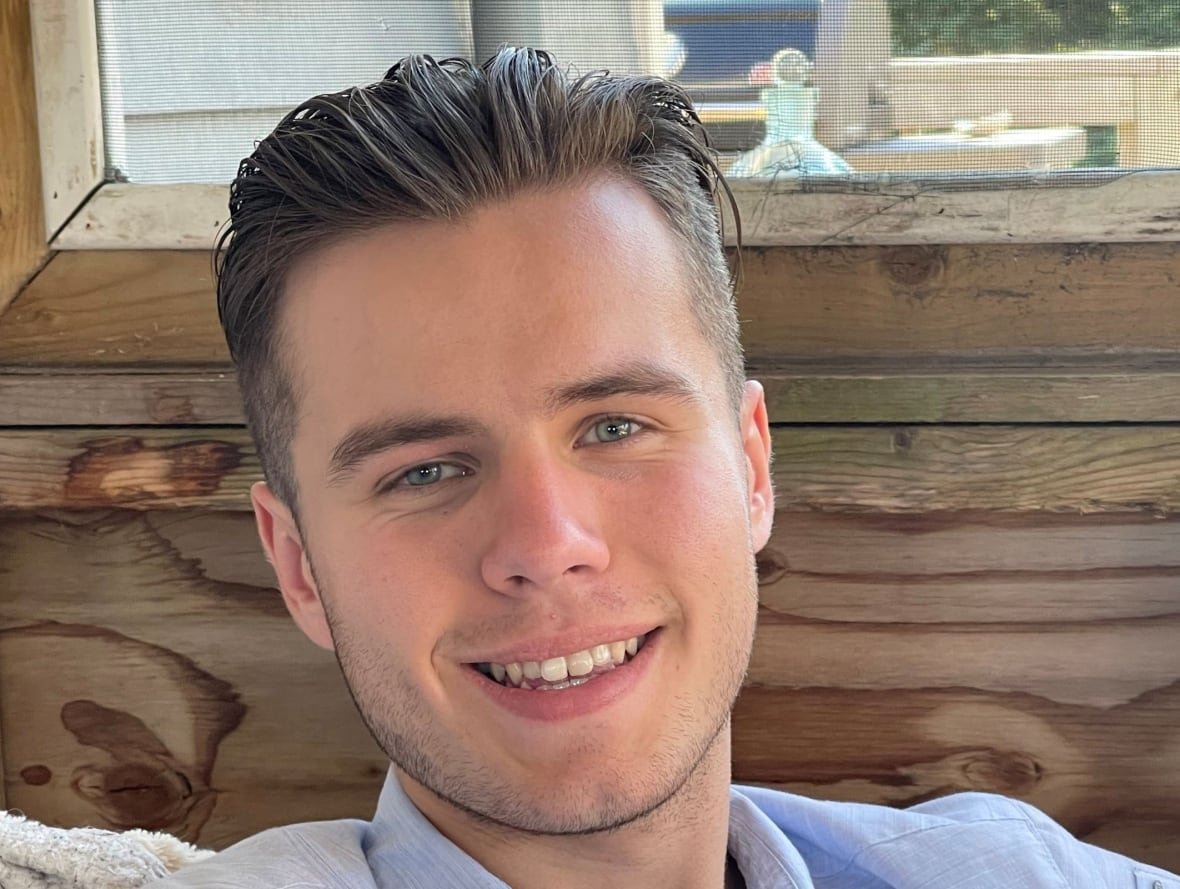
pixel 84 212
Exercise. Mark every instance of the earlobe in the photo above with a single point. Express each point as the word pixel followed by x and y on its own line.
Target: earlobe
pixel 756 444
pixel 283 543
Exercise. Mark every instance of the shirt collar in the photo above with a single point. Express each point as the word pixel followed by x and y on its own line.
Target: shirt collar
pixel 766 858
pixel 403 843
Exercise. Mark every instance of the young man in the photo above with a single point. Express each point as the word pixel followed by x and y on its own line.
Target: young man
pixel 516 481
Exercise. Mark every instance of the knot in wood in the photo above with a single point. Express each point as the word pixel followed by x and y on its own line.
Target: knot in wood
pixel 1002 771
pixel 771 565
pixel 173 409
pixel 36 775
pixel 913 266
pixel 122 470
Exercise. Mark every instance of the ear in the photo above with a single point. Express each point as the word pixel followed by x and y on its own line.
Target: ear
pixel 286 553
pixel 755 431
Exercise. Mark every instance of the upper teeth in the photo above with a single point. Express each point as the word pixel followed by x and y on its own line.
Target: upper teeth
pixel 602 657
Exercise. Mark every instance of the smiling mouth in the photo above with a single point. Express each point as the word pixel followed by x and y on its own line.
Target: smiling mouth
pixel 565 671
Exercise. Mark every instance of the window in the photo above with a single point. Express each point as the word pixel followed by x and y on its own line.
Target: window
pixel 861 109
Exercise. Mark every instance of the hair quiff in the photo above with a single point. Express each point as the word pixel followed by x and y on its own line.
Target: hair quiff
pixel 433 140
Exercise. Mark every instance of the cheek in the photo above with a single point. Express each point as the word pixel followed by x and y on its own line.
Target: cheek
pixel 695 515
pixel 387 591
pixel 704 554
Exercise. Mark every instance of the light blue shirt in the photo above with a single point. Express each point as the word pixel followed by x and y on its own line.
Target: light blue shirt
pixel 780 841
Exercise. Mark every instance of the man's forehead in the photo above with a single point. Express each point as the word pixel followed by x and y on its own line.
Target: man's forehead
pixel 604 212
pixel 580 252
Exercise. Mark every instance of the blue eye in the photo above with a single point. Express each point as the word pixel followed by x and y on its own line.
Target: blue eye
pixel 611 429
pixel 429 474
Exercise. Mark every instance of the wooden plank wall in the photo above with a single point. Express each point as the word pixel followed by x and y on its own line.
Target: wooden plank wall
pixel 974 582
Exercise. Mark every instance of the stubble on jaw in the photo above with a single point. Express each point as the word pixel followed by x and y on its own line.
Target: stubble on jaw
pixel 386 701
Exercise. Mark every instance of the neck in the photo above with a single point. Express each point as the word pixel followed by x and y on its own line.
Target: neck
pixel 682 843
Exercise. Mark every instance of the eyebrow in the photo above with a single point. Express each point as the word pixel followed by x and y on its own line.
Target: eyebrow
pixel 639 378
pixel 364 441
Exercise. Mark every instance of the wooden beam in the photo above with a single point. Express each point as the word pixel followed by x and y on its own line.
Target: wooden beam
pixel 122 216
pixel 914 309
pixel 903 469
pixel 929 308
pixel 1081 396
pixel 69 107
pixel 135 468
pixel 1087 664
pixel 970 566
pixel 119 399
pixel 125 309
pixel 171 398
pixel 1061 207
pixel 1024 468
pixel 23 246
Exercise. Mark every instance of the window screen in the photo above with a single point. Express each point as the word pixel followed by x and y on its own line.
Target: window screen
pixel 785 87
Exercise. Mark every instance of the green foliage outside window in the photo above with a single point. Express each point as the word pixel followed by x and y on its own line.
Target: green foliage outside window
pixel 974 27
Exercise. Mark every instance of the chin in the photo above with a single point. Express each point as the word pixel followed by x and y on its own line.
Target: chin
pixel 578 808
pixel 590 792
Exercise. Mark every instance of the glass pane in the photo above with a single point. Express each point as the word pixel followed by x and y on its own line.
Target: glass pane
pixel 785 87
pixel 190 85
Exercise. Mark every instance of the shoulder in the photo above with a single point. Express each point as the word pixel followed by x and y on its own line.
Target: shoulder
pixel 314 855
pixel 990 839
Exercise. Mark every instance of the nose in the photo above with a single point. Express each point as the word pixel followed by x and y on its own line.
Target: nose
pixel 545 523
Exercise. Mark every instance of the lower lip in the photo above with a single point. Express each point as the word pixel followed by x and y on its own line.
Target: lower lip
pixel 571 703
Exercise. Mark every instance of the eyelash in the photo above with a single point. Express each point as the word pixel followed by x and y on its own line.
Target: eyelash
pixel 396 482
pixel 637 426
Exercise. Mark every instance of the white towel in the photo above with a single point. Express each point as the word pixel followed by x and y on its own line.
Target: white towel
pixel 34 856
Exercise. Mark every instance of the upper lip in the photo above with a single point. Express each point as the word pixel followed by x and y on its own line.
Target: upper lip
pixel 542 648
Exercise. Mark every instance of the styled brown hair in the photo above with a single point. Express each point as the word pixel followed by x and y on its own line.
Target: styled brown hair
pixel 434 140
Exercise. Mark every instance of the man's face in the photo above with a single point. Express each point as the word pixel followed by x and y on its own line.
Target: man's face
pixel 516 448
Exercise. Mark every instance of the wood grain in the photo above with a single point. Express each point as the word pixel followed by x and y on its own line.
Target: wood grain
pixel 1062 207
pixel 1106 774
pixel 137 468
pixel 133 655
pixel 119 399
pixel 129 216
pixel 1050 396
pixel 23 245
pixel 1028 207
pixel 1015 468
pixel 124 397
pixel 970 567
pixel 903 469
pixel 69 105
pixel 131 309
pixel 1033 308
pixel 903 658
